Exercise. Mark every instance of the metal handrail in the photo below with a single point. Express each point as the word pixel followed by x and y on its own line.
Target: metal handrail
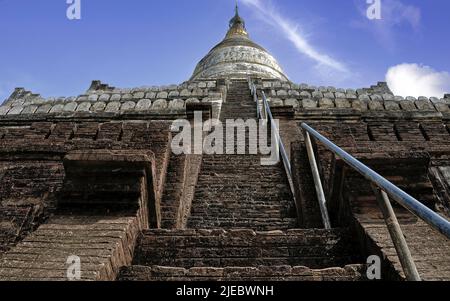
pixel 283 152
pixel 430 217
pixel 286 161
pixel 266 114
pixel 381 188
pixel 255 99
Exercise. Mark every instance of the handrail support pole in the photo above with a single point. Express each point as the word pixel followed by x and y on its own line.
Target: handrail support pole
pixel 395 231
pixel 317 182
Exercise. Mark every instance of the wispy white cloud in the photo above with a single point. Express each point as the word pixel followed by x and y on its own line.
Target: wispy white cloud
pixel 291 31
pixel 394 13
pixel 417 80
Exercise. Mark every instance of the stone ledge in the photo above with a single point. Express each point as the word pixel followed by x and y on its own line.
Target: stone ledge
pixel 100 98
pixel 260 273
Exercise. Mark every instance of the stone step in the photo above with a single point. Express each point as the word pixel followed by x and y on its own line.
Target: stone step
pixel 243 203
pixel 249 175
pixel 264 222
pixel 260 273
pixel 237 204
pixel 247 213
pixel 315 248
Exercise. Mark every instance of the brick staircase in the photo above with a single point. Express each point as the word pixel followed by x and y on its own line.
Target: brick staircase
pixel 239 102
pixel 236 191
pixel 242 226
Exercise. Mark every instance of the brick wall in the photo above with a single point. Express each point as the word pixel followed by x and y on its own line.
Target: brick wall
pixel 32 173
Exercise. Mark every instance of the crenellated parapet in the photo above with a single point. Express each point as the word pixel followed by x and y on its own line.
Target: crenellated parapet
pixel 101 98
pixel 377 99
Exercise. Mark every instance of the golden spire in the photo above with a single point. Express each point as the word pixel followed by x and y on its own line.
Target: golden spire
pixel 237 25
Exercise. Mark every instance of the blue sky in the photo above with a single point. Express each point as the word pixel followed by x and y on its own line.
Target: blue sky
pixel 130 43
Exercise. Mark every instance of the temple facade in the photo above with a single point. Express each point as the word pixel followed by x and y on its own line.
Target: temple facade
pixel 91 189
